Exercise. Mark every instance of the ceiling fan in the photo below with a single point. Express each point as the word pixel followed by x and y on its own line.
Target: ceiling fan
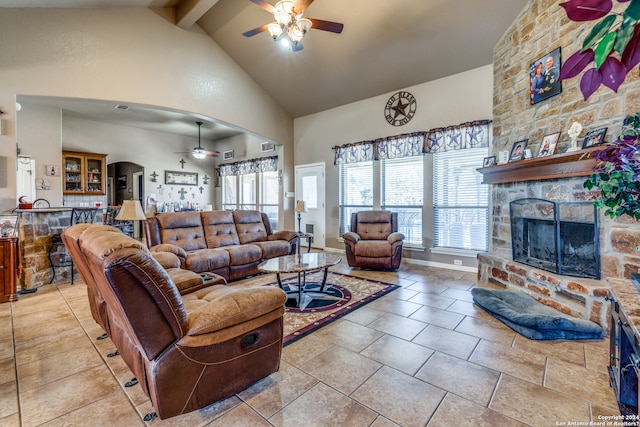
pixel 199 152
pixel 290 26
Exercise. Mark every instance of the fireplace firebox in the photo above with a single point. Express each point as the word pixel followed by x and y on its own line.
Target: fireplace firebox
pixel 560 237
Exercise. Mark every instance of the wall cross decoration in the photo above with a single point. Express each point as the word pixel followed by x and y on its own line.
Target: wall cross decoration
pixel 205 180
pixel 182 192
pixel 182 162
pixel 154 177
pixel 201 189
pixel 160 189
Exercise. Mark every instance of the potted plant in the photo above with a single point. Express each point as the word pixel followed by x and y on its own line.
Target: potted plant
pixel 616 172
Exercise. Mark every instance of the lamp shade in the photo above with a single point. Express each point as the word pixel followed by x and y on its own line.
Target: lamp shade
pixel 131 210
pixel 301 206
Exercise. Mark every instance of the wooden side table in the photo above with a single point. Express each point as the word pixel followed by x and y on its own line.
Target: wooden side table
pixel 9 260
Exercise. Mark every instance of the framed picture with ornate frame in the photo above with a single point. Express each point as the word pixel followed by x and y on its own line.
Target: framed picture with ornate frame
pixel 594 137
pixel 548 144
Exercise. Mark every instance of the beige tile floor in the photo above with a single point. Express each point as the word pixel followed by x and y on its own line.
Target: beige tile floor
pixel 421 355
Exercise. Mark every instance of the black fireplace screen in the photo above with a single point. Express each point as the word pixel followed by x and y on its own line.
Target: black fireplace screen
pixel 557 237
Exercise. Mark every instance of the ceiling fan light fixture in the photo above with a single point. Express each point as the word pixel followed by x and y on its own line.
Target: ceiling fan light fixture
pixel 304 25
pixel 295 34
pixel 282 18
pixel 285 6
pixel 199 153
pixel 275 30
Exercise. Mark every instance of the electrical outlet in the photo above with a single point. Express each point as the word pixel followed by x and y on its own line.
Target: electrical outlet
pixel 457 262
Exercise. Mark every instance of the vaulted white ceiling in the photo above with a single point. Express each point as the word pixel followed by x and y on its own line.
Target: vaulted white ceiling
pixel 385 45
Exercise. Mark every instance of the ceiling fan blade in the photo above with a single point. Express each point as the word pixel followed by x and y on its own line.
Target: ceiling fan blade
pixel 213 153
pixel 263 4
pixel 300 5
pixel 255 31
pixel 320 24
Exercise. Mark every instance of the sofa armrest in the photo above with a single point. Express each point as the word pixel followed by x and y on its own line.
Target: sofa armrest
pixel 166 259
pixel 395 237
pixel 289 236
pixel 351 237
pixel 168 247
pixel 227 307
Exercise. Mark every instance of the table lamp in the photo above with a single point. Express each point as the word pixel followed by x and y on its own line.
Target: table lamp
pixel 300 207
pixel 131 210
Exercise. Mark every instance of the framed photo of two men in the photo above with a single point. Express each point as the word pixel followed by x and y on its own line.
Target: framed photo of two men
pixel 544 77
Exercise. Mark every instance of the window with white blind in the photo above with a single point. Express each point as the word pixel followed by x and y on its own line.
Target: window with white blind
pixel 229 192
pixel 239 192
pixel 269 196
pixel 356 191
pixel 402 192
pixel 248 191
pixel 460 201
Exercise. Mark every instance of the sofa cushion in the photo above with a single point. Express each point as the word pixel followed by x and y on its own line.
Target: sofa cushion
pixel 218 307
pixel 243 254
pixel 249 226
pixel 274 248
pixel 219 229
pixel 183 229
pixel 202 260
pixel 373 248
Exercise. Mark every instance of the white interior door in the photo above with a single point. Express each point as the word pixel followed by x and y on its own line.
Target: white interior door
pixel 26 179
pixel 310 188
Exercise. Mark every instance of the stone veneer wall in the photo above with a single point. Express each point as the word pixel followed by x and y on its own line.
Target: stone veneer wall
pixel 540 28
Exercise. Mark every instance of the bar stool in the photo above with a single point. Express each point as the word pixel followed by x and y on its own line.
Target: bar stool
pixel 78 216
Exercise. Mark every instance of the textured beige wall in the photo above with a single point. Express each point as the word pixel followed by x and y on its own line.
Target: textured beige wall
pixel 130 55
pixel 448 101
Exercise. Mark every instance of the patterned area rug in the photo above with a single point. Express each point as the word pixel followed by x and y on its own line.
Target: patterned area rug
pixel 345 294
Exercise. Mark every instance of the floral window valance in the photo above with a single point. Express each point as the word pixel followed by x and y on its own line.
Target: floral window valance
pixel 391 147
pixel 466 135
pixel 263 164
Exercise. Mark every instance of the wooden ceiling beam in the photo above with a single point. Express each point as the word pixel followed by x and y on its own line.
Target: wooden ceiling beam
pixel 187 12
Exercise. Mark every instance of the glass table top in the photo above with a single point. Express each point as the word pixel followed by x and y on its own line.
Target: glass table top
pixel 299 263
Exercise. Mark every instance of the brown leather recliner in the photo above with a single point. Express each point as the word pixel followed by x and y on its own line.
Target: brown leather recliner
pixel 185 280
pixel 374 241
pixel 186 351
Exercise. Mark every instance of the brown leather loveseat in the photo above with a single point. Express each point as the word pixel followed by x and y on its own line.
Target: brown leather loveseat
pixel 228 243
pixel 374 241
pixel 186 351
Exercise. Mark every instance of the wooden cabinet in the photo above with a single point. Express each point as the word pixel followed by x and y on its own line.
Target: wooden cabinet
pixel 8 268
pixel 84 173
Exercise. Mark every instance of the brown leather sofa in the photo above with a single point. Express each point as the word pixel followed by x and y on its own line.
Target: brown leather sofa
pixel 228 243
pixel 374 241
pixel 187 351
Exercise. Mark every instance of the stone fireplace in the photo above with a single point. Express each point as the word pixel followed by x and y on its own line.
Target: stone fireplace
pixel 546 195
pixel 560 238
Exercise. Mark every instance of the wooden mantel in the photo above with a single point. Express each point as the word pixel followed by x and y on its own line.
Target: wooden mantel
pixel 565 165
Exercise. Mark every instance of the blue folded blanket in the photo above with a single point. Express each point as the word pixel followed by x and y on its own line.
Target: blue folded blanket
pixel 532 319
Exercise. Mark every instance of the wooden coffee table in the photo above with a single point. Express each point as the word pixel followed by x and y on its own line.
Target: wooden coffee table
pixel 302 264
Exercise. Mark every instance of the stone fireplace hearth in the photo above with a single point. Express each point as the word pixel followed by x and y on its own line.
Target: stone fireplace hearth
pixel 579 297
